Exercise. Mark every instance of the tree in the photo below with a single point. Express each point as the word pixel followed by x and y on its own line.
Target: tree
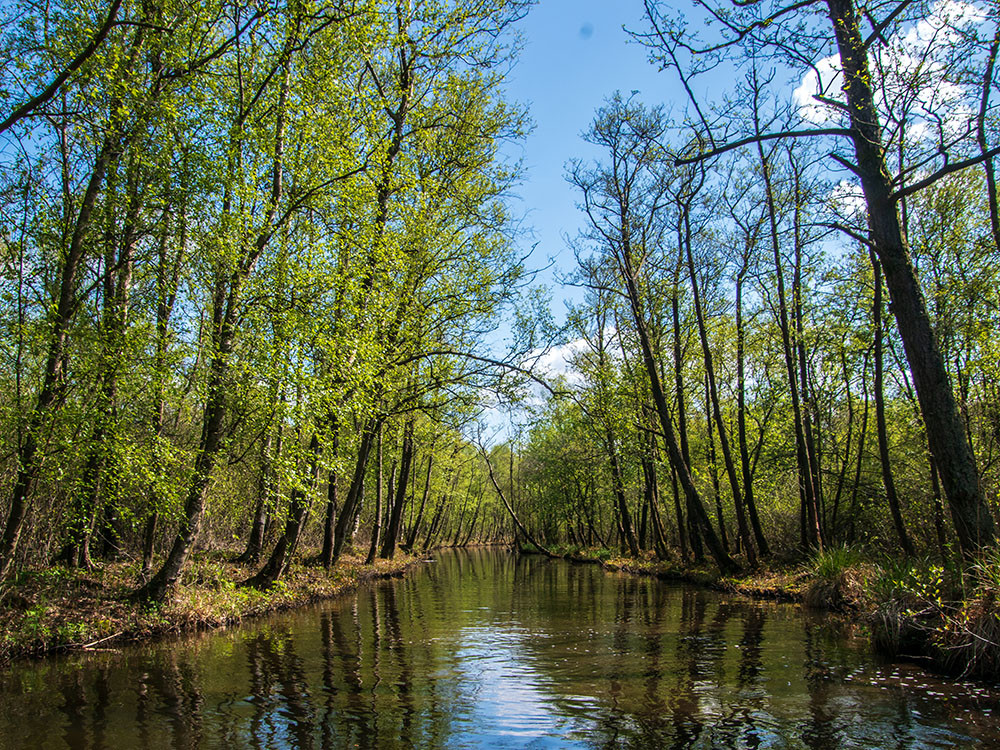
pixel 793 32
pixel 623 202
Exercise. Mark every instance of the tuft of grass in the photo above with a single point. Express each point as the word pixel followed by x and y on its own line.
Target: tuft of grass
pixel 840 579
pixel 969 639
pixel 987 570
pixel 834 561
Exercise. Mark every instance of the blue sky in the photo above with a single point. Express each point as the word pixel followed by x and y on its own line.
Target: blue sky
pixel 576 55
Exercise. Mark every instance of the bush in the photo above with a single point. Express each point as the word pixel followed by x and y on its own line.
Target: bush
pixel 970 637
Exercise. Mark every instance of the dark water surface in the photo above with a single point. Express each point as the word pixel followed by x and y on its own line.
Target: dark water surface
pixel 484 649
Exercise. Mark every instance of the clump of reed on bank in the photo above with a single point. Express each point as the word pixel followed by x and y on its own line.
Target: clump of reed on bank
pixel 969 640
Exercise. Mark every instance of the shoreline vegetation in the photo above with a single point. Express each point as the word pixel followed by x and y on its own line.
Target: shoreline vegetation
pixel 916 610
pixel 912 610
pixel 59 609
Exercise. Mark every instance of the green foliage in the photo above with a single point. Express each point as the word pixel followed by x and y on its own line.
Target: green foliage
pixel 286 232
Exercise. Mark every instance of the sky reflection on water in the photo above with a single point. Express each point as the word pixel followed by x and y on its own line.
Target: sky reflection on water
pixel 484 649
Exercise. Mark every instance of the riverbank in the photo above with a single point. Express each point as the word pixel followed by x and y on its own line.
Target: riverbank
pixel 61 609
pixel 946 618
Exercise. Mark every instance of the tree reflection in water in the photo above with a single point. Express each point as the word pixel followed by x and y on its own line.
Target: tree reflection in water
pixel 485 649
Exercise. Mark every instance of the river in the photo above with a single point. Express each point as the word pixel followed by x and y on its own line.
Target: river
pixel 482 648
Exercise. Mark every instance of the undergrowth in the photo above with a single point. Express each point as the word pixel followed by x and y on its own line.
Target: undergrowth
pixel 58 608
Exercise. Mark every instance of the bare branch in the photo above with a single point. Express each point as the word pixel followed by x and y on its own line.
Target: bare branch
pixel 760 139
pixel 944 171
pixel 853 168
pixel 846 230
pixel 878 30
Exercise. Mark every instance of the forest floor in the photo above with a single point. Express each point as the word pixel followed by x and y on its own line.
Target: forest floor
pixel 947 618
pixel 61 609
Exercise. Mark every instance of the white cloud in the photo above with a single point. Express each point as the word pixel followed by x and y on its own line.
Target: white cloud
pixel 558 361
pixel 826 80
pixel 848 200
pixel 914 68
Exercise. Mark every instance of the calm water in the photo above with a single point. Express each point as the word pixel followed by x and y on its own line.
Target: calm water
pixel 484 649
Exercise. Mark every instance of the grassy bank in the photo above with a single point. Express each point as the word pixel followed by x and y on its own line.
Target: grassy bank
pixel 947 617
pixel 62 609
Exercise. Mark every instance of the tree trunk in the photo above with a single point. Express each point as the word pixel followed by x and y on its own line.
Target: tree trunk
pixel 713 469
pixel 715 412
pixel 991 178
pixel 685 522
pixel 168 270
pixel 845 464
pixel 377 523
pixel 741 419
pixel 695 507
pixel 330 514
pixel 345 521
pixel 298 508
pixel 618 486
pixel 883 435
pixel 519 527
pixel 255 542
pixel 954 459
pixel 225 322
pixel 29 462
pixel 395 517
pixel 810 536
pixel 411 538
pixel 814 512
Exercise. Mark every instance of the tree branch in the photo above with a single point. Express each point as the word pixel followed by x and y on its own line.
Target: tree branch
pixel 84 55
pixel 760 139
pixel 877 30
pixel 944 171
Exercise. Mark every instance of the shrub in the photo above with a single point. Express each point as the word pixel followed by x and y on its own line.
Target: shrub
pixel 970 637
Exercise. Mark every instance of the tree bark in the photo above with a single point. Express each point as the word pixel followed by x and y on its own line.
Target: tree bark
pixel 715 412
pixel 345 521
pixel 411 538
pixel 330 514
pixel 695 506
pixel 255 542
pixel 687 529
pixel 377 522
pixel 225 323
pixel 741 419
pixel 29 462
pixel 520 527
pixel 298 508
pixel 618 487
pixel 810 536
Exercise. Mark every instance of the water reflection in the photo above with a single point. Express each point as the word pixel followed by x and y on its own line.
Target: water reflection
pixel 485 649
